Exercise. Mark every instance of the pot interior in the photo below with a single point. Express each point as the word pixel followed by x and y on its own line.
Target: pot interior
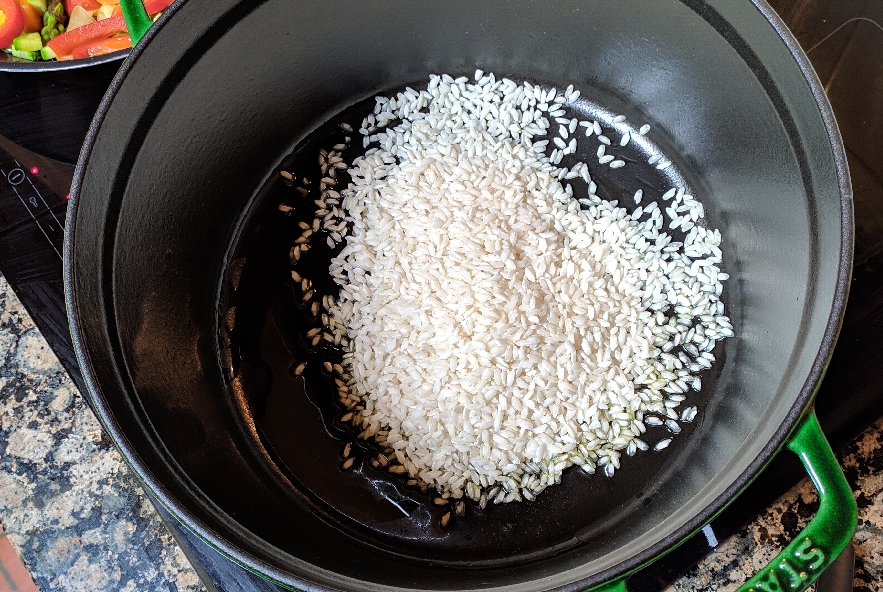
pixel 169 194
pixel 265 321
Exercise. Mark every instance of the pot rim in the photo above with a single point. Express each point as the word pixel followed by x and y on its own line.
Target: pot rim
pixel 802 401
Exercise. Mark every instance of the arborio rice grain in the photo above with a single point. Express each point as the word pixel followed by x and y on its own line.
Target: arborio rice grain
pixel 497 330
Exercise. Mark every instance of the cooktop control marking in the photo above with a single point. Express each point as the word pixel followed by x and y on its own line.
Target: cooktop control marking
pixel 40 195
pixel 15 177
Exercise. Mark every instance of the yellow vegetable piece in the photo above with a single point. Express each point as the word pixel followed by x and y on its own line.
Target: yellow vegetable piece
pixel 79 16
pixel 106 11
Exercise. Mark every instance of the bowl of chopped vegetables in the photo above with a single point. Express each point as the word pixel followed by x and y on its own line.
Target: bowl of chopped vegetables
pixel 41 35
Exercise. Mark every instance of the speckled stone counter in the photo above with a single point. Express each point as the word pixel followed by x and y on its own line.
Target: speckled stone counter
pixel 81 522
pixel 68 503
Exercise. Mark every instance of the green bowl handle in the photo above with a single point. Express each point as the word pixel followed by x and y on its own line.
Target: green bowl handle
pixel 137 19
pixel 824 538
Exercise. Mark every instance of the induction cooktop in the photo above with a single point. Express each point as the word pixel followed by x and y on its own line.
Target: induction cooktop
pixel 44 119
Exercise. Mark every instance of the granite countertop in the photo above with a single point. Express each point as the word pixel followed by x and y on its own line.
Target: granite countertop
pixel 81 522
pixel 69 504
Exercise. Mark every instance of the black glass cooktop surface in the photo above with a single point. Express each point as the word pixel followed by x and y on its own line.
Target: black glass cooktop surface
pixel 44 119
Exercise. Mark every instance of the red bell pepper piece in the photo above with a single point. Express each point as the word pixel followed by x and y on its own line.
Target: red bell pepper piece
pixel 33 18
pixel 88 5
pixel 65 43
pixel 12 22
pixel 92 34
pixel 151 6
pixel 101 47
pixel 154 6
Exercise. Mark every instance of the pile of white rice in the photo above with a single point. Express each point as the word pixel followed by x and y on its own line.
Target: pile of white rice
pixel 496 329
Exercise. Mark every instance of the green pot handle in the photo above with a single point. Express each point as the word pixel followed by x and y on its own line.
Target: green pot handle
pixel 831 529
pixel 137 19
pixel 824 538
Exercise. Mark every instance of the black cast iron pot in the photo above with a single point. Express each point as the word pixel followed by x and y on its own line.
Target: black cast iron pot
pixel 170 263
